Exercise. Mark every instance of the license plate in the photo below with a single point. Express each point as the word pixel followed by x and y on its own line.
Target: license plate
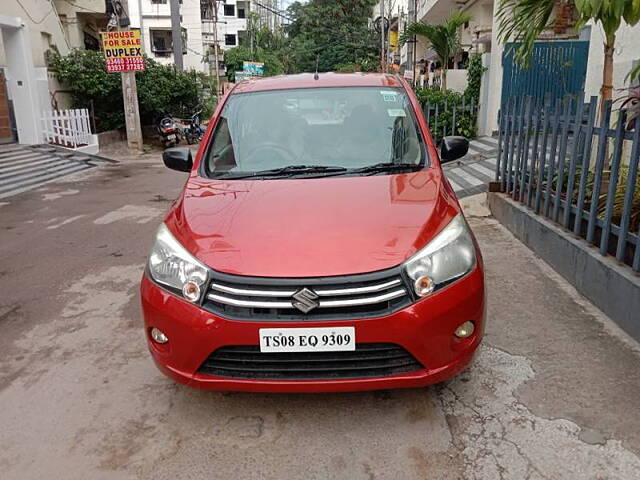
pixel 171 137
pixel 326 339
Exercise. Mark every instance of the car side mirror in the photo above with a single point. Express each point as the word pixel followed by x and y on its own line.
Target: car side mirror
pixel 453 148
pixel 178 158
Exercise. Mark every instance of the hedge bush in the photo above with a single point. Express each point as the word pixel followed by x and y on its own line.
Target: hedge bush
pixel 161 89
pixel 466 118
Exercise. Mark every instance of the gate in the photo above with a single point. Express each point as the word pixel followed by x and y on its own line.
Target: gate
pixel 557 69
pixel 6 120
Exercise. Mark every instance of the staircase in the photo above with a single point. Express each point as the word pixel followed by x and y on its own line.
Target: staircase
pixel 24 167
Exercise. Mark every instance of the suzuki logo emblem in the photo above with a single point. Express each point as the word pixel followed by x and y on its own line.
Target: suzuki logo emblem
pixel 305 300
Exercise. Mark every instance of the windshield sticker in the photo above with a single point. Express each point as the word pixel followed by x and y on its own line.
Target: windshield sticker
pixel 389 95
pixel 396 112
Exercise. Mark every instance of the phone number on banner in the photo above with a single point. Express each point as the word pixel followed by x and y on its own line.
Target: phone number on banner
pixel 116 65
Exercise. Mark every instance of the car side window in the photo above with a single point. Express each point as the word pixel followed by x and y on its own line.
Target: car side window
pixel 221 157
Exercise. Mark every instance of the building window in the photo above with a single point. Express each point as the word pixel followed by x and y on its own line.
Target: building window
pixel 230 40
pixel 161 42
pixel 241 13
pixel 46 45
pixel 206 10
pixel 229 10
pixel 91 42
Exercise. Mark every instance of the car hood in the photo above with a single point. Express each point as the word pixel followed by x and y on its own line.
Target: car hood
pixel 311 227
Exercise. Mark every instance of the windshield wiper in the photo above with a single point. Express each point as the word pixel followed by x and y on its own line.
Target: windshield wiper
pixel 386 167
pixel 288 170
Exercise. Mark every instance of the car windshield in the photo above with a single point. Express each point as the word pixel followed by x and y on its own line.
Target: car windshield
pixel 304 131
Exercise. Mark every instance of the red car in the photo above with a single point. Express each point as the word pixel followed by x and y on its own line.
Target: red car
pixel 316 245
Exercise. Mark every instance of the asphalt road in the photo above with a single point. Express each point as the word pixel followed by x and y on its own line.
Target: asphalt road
pixel 554 392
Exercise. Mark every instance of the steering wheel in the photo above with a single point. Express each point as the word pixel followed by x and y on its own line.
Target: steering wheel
pixel 255 158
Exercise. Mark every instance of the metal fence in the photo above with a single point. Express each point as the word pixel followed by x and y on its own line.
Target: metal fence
pixel 445 119
pixel 575 167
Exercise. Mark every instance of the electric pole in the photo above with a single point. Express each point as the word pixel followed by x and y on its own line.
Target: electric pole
pixel 133 125
pixel 415 43
pixel 131 110
pixel 383 60
pixel 214 4
pixel 176 34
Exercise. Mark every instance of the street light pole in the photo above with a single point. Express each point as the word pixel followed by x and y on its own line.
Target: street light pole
pixel 176 34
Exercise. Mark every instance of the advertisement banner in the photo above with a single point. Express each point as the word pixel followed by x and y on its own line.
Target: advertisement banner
pixel 122 51
pixel 253 68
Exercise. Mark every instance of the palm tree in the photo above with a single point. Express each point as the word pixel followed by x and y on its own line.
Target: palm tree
pixel 523 21
pixel 443 38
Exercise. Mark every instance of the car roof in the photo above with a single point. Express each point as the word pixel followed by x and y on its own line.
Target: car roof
pixel 308 80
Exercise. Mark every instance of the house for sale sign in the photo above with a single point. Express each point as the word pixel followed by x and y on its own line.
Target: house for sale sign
pixel 122 51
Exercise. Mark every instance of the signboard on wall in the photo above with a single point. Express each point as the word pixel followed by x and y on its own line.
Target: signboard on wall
pixel 253 68
pixel 122 51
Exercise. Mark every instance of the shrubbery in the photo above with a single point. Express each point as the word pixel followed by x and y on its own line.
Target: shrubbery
pixel 475 70
pixel 445 100
pixel 161 89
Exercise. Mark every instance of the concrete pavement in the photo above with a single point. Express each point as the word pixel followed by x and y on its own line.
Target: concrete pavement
pixel 552 394
pixel 472 173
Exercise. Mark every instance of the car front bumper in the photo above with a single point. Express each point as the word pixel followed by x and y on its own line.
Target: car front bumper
pixel 425 329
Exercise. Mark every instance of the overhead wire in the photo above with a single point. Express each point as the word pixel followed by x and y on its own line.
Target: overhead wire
pixel 29 15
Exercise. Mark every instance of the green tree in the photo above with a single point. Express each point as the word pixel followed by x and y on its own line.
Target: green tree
pixel 260 44
pixel 234 58
pixel 444 38
pixel 523 21
pixel 332 34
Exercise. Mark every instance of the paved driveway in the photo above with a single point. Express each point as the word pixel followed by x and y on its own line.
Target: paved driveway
pixel 553 393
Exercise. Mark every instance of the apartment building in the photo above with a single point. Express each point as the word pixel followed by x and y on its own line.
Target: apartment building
pixel 231 23
pixel 269 13
pixel 82 21
pixel 28 29
pixel 153 18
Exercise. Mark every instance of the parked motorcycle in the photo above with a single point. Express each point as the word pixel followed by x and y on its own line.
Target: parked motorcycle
pixel 168 132
pixel 192 129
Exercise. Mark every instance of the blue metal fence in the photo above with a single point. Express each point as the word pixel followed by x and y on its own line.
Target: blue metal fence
pixel 554 157
pixel 557 69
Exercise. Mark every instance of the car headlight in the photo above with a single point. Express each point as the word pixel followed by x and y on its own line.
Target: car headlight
pixel 450 255
pixel 171 265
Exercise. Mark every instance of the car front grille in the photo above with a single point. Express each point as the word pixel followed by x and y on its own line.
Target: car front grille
pixel 262 298
pixel 368 360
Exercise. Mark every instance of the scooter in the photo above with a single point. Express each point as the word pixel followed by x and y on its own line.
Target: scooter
pixel 192 130
pixel 169 134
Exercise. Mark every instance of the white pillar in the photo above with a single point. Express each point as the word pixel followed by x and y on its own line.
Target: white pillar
pixel 495 78
pixel 22 79
pixel 484 94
